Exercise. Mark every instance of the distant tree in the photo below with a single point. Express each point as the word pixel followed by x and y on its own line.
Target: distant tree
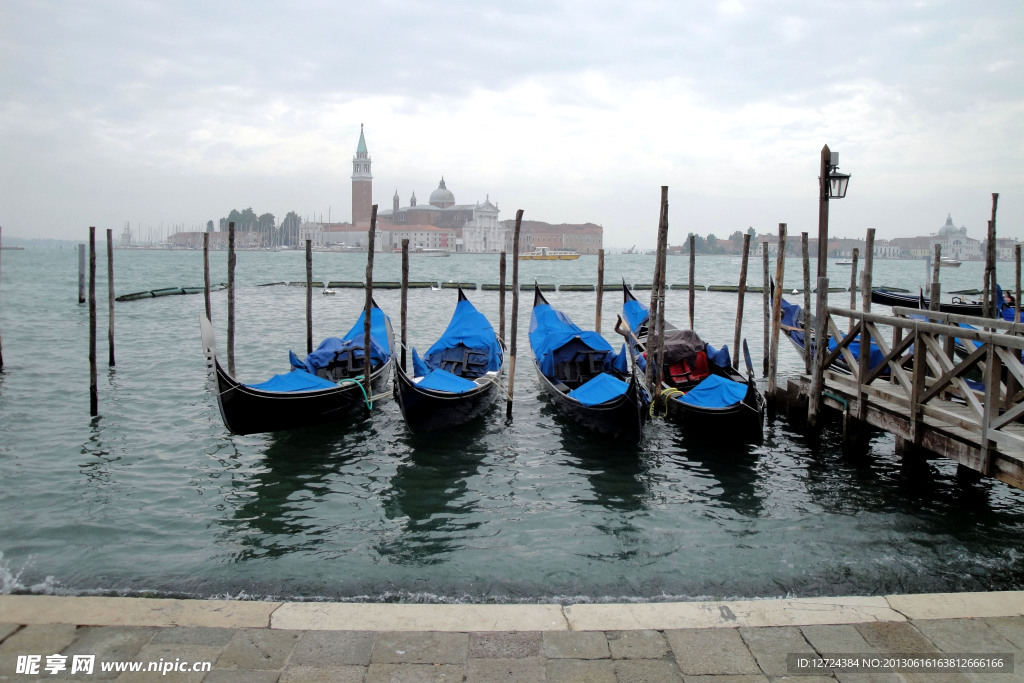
pixel 711 245
pixel 290 229
pixel 209 226
pixel 736 237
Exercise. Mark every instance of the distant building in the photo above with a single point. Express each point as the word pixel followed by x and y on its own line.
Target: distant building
pixel 955 243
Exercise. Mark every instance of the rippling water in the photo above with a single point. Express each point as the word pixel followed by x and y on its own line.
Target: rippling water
pixel 155 497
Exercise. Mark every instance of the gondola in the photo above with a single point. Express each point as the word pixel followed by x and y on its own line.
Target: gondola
pixel 327 386
pixel 958 305
pixel 458 378
pixel 586 380
pixel 702 391
pixel 791 326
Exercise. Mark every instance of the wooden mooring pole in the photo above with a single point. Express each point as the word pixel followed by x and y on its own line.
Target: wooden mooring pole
pixel 94 406
pixel 600 290
pixel 206 274
pixel 405 298
pixel 935 290
pixel 780 272
pixel 805 315
pixel 853 282
pixel 659 356
pixel 231 298
pixel 693 263
pixel 81 273
pixel 515 314
pixel 1016 288
pixel 739 301
pixel 766 305
pixel 309 296
pixel 501 296
pixel 991 257
pixel 110 296
pixel 865 305
pixel 368 308
pixel 652 375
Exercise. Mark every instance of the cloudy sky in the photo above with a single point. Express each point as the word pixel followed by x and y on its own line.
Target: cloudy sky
pixel 172 113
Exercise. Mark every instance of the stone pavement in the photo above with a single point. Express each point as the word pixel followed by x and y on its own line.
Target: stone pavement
pixel 757 640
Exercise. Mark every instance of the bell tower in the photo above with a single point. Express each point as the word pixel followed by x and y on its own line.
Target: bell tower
pixel 362 185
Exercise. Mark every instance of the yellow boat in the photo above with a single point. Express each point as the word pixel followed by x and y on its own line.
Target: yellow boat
pixel 545 254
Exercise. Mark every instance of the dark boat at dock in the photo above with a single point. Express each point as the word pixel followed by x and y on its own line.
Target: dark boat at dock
pixel 586 381
pixel 702 391
pixel 328 386
pixel 458 378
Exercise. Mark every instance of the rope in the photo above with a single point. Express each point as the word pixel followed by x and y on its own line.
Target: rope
pixel 666 394
pixel 358 381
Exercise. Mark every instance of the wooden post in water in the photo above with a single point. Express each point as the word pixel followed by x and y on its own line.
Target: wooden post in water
pixel 991 257
pixel 405 297
pixel 935 290
pixel 853 282
pixel 231 298
pixel 805 315
pixel 780 271
pixel 206 274
pixel 659 356
pixel 865 305
pixel 309 296
pixel 501 296
pixel 515 314
pixel 81 273
pixel 766 305
pixel 1017 288
pixel 652 375
pixel 693 264
pixel 94 406
pixel 739 301
pixel 600 289
pixel 368 308
pixel 110 295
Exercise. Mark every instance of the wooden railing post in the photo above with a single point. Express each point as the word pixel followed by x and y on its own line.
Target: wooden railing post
pixel 820 351
pixel 805 318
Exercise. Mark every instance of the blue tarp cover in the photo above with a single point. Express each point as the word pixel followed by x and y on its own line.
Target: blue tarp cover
pixel 636 314
pixel 296 380
pixel 600 389
pixel 715 392
pixel 470 328
pixel 551 332
pixel 351 344
pixel 442 380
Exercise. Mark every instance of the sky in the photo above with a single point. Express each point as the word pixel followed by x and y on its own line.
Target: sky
pixel 170 113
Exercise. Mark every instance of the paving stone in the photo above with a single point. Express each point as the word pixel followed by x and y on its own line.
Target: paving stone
pixel 837 639
pixel 579 671
pixel 895 637
pixel 576 645
pixel 110 644
pixel 173 653
pixel 241 676
pixel 316 674
pixel 512 645
pixel 258 649
pixel 334 648
pixel 414 673
pixel 737 678
pixel 771 645
pixel 646 671
pixel 517 670
pixel 877 677
pixel 711 651
pixel 1011 628
pixel 966 636
pixel 7 629
pixel 637 644
pixel 39 638
pixel 432 647
pixel 193 635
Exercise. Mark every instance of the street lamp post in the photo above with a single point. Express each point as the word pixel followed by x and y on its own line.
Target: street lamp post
pixel 831 185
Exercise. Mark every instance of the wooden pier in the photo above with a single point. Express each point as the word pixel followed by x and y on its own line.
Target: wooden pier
pixel 941 388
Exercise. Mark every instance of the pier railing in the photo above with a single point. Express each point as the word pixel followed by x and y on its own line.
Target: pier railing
pixel 936 375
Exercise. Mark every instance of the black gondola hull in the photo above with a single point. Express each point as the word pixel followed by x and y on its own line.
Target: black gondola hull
pixel 620 418
pixel 909 301
pixel 742 422
pixel 425 410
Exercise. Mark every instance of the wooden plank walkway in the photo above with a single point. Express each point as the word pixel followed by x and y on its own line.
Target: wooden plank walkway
pixel 921 393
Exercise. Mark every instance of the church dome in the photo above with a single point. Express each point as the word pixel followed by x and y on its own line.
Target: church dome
pixel 949 229
pixel 442 197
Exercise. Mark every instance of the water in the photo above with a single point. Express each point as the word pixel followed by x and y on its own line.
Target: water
pixel 154 497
